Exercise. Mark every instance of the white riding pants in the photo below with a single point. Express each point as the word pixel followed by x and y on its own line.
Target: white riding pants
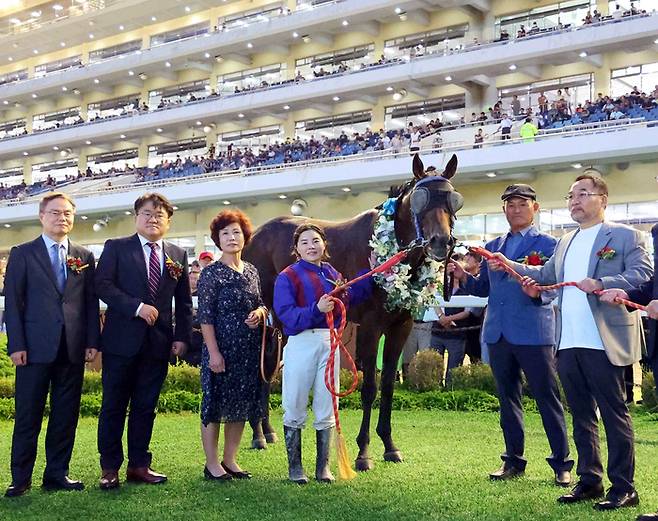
pixel 304 360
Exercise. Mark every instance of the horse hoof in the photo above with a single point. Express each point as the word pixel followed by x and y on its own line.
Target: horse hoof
pixel 395 456
pixel 271 437
pixel 259 443
pixel 364 464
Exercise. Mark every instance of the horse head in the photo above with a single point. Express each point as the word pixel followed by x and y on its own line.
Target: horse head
pixel 428 205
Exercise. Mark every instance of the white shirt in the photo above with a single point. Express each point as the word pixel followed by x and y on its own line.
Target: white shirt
pixel 578 325
pixel 146 249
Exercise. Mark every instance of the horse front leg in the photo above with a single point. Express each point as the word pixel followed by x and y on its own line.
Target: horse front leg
pixel 368 393
pixel 392 349
pixel 263 432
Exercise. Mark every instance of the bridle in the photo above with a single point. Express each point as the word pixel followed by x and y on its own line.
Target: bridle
pixel 421 200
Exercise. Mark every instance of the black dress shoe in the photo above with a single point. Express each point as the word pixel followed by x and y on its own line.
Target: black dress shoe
pixel 210 476
pixel 648 517
pixel 237 474
pixel 563 478
pixel 63 483
pixel 18 490
pixel 615 500
pixel 582 492
pixel 506 472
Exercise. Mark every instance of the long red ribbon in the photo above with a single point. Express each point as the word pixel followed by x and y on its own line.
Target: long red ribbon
pixel 490 256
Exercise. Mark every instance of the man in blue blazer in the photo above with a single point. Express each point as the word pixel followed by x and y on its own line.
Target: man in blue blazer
pixel 137 277
pixel 647 295
pixel 519 329
pixel 52 329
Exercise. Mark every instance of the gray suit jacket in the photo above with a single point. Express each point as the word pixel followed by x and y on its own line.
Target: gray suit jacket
pixel 630 266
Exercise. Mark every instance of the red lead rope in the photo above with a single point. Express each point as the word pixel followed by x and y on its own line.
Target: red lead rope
pixel 336 335
pixel 490 256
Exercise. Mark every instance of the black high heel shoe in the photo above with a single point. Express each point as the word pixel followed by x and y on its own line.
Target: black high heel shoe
pixel 210 476
pixel 240 474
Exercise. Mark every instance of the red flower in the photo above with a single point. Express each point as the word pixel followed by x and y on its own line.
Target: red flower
pixel 534 260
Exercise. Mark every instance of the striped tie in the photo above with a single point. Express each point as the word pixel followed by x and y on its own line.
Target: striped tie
pixel 154 271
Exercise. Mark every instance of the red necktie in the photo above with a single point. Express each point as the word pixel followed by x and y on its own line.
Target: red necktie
pixel 154 271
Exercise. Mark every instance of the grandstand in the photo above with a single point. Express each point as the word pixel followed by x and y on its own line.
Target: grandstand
pixel 256 103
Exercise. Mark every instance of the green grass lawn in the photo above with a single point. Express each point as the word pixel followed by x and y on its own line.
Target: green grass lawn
pixel 444 476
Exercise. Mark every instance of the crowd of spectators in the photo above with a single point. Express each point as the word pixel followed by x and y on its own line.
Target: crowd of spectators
pixel 138 106
pixel 557 112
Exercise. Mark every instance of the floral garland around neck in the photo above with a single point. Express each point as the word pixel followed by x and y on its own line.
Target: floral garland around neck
pixel 402 292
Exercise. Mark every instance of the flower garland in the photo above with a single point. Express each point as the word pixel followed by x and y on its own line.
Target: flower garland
pixel 401 291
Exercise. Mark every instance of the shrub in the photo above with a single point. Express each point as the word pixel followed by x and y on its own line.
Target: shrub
pixel 6 408
pixel 6 365
pixel 425 371
pixel 6 386
pixel 179 401
pixel 90 404
pixel 91 384
pixel 182 377
pixel 276 384
pixel 473 376
pixel 649 400
pixel 346 378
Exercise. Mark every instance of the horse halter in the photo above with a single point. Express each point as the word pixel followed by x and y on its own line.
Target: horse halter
pixel 423 199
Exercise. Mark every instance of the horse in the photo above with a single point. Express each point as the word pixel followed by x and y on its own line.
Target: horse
pixel 424 214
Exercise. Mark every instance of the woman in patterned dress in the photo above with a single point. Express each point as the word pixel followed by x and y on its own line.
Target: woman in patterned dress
pixel 230 312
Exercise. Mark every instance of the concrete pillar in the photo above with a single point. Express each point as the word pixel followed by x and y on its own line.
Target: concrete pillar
pixel 27 170
pixel 142 154
pixel 82 161
pixel 602 7
pixel 378 116
pixel 288 127
pixel 489 95
pixel 602 78
pixel 488 27
pixel 472 102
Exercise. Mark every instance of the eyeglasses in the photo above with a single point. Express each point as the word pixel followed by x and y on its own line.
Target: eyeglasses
pixel 579 196
pixel 160 217
pixel 58 213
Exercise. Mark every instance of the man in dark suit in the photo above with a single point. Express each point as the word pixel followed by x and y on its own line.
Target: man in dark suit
pixel 52 329
pixel 519 329
pixel 137 277
pixel 647 295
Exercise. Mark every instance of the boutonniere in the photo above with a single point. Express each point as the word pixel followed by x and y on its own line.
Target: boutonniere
pixel 174 268
pixel 534 258
pixel 606 253
pixel 335 283
pixel 75 264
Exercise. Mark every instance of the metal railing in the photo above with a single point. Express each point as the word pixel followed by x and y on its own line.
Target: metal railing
pixel 446 148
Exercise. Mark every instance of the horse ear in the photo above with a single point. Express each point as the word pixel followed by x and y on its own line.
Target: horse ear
pixel 451 167
pixel 418 167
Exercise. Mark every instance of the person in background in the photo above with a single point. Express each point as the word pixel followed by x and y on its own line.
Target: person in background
pixel 205 258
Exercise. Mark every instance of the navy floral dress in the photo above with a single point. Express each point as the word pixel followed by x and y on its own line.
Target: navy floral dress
pixel 226 297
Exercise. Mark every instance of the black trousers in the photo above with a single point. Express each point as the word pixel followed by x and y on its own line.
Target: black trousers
pixel 33 382
pixel 589 379
pixel 538 363
pixel 136 381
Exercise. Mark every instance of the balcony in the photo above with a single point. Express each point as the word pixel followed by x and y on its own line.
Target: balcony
pixel 515 159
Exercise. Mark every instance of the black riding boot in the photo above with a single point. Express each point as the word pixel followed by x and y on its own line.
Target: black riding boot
pixel 322 472
pixel 294 447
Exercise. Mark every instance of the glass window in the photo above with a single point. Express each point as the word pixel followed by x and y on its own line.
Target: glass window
pixel 12 128
pixel 11 177
pixel 182 93
pixel 546 18
pixel 247 18
pixel 119 160
pixel 113 107
pixel 573 89
pixel 174 150
pixel 254 138
pixel 11 77
pixel 116 50
pixel 187 243
pixel 644 77
pixel 180 34
pixel 334 126
pixel 63 170
pixel 419 44
pixel 353 58
pixel 60 118
pixel 261 77
pixel 59 65
pixel 448 110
